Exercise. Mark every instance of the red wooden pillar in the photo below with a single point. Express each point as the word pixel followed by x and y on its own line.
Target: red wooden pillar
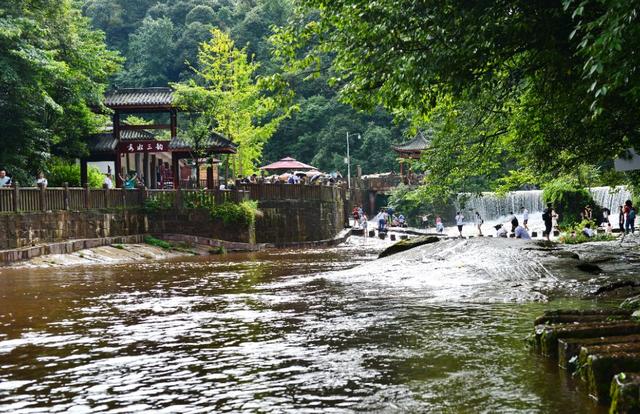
pixel 175 167
pixel 84 173
pixel 118 170
pixel 174 123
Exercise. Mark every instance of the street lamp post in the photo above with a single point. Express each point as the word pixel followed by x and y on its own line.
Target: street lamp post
pixel 349 161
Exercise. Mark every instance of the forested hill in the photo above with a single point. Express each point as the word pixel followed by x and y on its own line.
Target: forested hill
pixel 159 37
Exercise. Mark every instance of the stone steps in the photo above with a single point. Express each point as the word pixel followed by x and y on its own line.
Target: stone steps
pixel 602 347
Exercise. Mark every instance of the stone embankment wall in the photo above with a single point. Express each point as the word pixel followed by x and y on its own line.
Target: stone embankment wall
pixel 19 230
pixel 198 223
pixel 291 222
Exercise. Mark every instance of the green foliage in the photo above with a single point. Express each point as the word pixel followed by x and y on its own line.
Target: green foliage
pixel 515 180
pixel 568 199
pixel 53 68
pixel 218 250
pixel 413 203
pixel 152 241
pixel 506 85
pixel 243 213
pixel 226 91
pixel 572 234
pixel 61 172
pixel 158 202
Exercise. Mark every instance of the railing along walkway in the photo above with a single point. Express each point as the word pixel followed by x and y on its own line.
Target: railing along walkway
pixel 29 199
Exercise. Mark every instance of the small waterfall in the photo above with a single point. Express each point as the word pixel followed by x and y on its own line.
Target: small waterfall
pixel 492 207
pixel 609 197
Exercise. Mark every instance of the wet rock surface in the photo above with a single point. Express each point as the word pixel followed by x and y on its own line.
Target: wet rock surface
pixel 407 244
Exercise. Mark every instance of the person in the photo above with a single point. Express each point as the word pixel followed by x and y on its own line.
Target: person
pixel 131 181
pixel 621 218
pixel 382 220
pixel 501 231
pixel 522 233
pixel 605 215
pixel 364 223
pixel 587 231
pixel 356 216
pixel 627 209
pixel 478 222
pixel 547 218
pixel 5 180
pixel 253 179
pixel 631 218
pixel 525 217
pixel 459 221
pixel 41 181
pixel 608 229
pixel 587 213
pixel 425 221
pixel 514 222
pixel 401 220
pixel 439 225
pixel 107 182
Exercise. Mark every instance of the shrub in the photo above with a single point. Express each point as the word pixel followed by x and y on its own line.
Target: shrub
pixel 567 199
pixel 61 172
pixel 157 202
pixel 152 241
pixel 243 213
pixel 572 234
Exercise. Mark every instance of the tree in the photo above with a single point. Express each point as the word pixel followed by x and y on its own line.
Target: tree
pixel 226 92
pixel 151 54
pixel 525 80
pixel 53 69
pixel 197 137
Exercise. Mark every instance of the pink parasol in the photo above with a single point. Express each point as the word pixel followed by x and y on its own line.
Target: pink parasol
pixel 288 163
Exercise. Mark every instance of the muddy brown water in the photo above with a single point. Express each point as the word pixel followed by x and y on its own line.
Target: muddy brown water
pixel 278 331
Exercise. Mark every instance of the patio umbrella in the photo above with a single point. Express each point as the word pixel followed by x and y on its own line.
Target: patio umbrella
pixel 288 163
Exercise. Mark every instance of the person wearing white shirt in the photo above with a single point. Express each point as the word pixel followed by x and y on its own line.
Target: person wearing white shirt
pixel 5 180
pixel 459 221
pixel 525 217
pixel 501 231
pixel 587 231
pixel 107 182
pixel 42 181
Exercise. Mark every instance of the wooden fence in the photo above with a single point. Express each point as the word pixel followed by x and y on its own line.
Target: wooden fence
pixel 18 199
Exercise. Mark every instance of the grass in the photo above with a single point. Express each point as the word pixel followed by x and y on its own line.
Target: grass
pixel 152 241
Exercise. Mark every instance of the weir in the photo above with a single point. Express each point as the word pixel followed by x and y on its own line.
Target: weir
pixel 491 206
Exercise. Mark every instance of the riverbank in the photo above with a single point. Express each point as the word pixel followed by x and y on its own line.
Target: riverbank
pixel 103 255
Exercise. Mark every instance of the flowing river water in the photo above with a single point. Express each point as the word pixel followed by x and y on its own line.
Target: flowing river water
pixel 328 330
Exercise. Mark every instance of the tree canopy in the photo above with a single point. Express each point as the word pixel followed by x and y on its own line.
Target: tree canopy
pixel 544 86
pixel 53 68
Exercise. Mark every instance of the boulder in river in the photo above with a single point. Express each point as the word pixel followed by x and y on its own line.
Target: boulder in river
pixel 404 245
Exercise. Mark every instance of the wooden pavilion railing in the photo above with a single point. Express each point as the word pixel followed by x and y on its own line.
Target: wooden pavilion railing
pixel 28 199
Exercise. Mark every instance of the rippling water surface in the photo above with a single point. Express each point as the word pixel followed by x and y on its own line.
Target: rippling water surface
pixel 280 331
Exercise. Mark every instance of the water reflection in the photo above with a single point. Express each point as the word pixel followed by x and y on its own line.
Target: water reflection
pixel 267 332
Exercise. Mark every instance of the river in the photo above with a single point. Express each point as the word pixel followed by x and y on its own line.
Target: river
pixel 327 330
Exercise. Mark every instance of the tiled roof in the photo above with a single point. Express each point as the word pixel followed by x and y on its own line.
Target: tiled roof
pixel 418 143
pixel 215 141
pixel 104 142
pixel 139 97
pixel 136 135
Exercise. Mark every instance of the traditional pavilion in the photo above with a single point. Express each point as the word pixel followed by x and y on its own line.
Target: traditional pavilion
pixel 144 148
pixel 412 149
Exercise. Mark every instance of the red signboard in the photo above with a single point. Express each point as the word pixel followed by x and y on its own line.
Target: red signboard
pixel 143 146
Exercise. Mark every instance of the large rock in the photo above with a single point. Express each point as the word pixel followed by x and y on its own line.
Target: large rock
pixel 403 245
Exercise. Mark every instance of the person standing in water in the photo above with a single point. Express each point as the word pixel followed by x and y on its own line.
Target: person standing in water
pixel 478 222
pixel 459 221
pixel 525 217
pixel 621 219
pixel 439 225
pixel 547 217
